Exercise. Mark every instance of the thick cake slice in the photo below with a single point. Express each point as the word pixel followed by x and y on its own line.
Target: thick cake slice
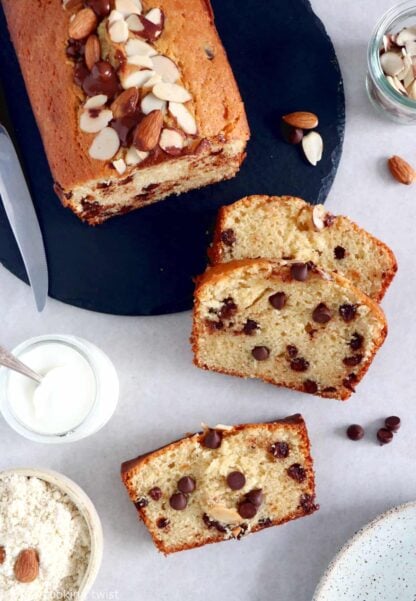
pixel 223 483
pixel 278 228
pixel 290 324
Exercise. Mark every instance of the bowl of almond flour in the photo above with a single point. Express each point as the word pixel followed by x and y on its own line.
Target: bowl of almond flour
pixel 51 540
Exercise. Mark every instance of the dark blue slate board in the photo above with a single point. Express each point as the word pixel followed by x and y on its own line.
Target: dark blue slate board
pixel 143 263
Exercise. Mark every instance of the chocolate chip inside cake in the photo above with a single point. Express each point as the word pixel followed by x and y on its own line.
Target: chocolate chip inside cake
pixel 314 332
pixel 223 483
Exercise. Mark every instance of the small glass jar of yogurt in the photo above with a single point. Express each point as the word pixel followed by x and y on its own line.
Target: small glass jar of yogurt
pixel 77 396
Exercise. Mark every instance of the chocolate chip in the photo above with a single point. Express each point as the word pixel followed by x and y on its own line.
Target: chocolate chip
pixel 124 127
pixel 255 497
pixel 329 220
pixel 250 327
pixel 162 522
pixel 292 350
pixel 101 8
pixel 228 309
pixel 101 80
pixel 356 341
pixel 155 493
pixel 307 502
pixel 247 510
pixel 236 480
pixel 299 271
pixel 228 237
pixel 80 73
pixel 384 436
pixel 329 389
pixel 214 325
pixel 291 135
pixel 209 52
pixel 339 252
pixel 353 360
pixel 280 450
pixel 278 300
pixel 186 484
pixel 348 312
pixel 322 314
pixel 260 353
pixel 350 382
pixel 310 386
pixel 392 423
pixel 297 472
pixel 142 502
pixel 355 432
pixel 299 364
pixel 178 501
pixel 210 523
pixel 212 439
pixel 265 522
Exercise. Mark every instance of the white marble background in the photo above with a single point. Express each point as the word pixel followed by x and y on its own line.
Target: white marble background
pixel 163 395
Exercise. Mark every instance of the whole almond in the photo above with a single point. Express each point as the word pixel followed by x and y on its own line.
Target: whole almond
pixel 2 555
pixel 26 567
pixel 301 120
pixel 147 133
pixel 82 24
pixel 72 4
pixel 92 51
pixel 126 103
pixel 401 170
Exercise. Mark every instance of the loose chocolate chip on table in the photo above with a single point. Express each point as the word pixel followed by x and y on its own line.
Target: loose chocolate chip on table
pixel 280 450
pixel 291 135
pixel 178 501
pixel 307 502
pixel 384 436
pixel 322 313
pixel 212 439
pixel 142 502
pixel 260 353
pixel 228 237
pixel 339 252
pixel 353 360
pixel 297 472
pixel 356 341
pixel 255 497
pixel 355 432
pixel 247 510
pixel 292 350
pixel 250 327
pixel 228 309
pixel 155 493
pixel 299 364
pixel 162 522
pixel 278 300
pixel 392 423
pixel 236 480
pixel 310 386
pixel 299 271
pixel 348 312
pixel 186 484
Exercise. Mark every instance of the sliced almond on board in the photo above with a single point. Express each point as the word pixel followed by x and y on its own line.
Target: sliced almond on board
pixel 94 120
pixel 166 68
pixel 318 217
pixel 184 117
pixel 120 166
pixel 171 92
pixel 147 133
pixel 401 170
pixel 140 60
pixel 96 102
pixel 118 32
pixel 128 7
pixel 139 47
pixel 82 24
pixel 134 156
pixel 313 146
pixel 224 515
pixel 134 24
pixel 391 63
pixel 26 567
pixel 92 51
pixel 150 103
pixel 302 120
pixel 171 141
pixel 134 77
pixel 126 103
pixel 105 145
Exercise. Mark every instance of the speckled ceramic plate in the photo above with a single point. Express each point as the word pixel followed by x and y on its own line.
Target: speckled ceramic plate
pixel 377 564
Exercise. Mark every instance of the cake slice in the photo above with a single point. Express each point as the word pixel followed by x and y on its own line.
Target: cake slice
pixel 289 228
pixel 290 324
pixel 223 483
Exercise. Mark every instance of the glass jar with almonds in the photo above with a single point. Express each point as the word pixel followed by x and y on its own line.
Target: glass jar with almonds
pixel 391 78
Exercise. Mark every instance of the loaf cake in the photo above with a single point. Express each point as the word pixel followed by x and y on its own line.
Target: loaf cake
pixel 223 483
pixel 135 99
pixel 288 228
pixel 290 324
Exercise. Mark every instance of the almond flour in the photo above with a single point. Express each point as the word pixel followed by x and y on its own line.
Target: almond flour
pixel 36 515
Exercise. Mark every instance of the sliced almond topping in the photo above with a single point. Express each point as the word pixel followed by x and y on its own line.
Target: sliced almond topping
pixel 134 156
pixel 133 77
pixel 94 120
pixel 150 103
pixel 92 51
pixel 83 23
pixel 134 24
pixel 115 15
pixel 155 16
pixel 302 120
pixel 26 567
pixel 391 63
pixel 119 32
pixel 224 515
pixel 166 68
pixel 139 47
pixel 96 102
pixel 171 141
pixel 313 146
pixel 129 7
pixel 147 133
pixel 105 145
pixel 171 92
pixel 150 83
pixel 318 217
pixel 184 117
pixel 125 104
pixel 120 166
pixel 140 60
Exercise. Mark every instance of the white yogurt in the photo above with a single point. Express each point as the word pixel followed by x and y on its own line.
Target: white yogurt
pixel 65 396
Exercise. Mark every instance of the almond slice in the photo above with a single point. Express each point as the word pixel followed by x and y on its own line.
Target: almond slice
pixel 150 83
pixel 115 15
pixel 105 145
pixel 92 51
pixel 128 7
pixel 318 217
pixel 26 567
pixel 134 156
pixel 171 92
pixel 406 35
pixel 120 166
pixel 224 515
pixel 147 133
pixel 301 120
pixel 96 102
pixel 313 146
pixel 391 63
pixel 184 117
pixel 155 16
pixel 171 141
pixel 140 60
pixel 139 47
pixel 150 103
pixel 119 32
pixel 411 90
pixel 83 23
pixel 125 104
pixel 134 24
pixel 166 68
pixel 133 77
pixel 94 120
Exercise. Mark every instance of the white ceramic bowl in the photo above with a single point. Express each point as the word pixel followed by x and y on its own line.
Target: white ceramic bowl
pixel 86 509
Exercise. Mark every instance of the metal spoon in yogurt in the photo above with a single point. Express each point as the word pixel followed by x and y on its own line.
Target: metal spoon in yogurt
pixel 9 360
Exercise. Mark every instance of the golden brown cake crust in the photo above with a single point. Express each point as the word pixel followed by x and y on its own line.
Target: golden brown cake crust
pixel 39 31
pixel 294 422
